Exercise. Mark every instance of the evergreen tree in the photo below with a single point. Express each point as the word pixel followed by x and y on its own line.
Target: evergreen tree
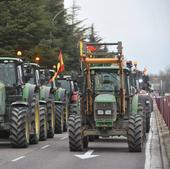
pixel 23 25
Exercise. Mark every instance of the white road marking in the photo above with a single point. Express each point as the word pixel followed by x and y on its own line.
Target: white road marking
pixel 87 155
pixel 148 151
pixel 44 147
pixel 63 138
pixel 19 158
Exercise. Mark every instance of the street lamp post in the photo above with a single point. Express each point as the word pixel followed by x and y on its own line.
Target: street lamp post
pixel 53 19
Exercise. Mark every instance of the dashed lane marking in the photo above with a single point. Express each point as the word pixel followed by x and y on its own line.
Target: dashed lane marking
pixel 45 147
pixel 19 158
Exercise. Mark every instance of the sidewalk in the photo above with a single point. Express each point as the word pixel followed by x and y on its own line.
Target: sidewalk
pixel 157 152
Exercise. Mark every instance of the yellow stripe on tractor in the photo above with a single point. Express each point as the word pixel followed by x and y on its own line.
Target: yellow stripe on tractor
pixel 100 60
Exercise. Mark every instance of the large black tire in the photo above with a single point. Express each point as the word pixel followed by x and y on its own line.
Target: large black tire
pixel 34 138
pixel 143 114
pixel 74 131
pixel 59 123
pixel 148 115
pixel 19 127
pixel 43 123
pixel 135 133
pixel 51 119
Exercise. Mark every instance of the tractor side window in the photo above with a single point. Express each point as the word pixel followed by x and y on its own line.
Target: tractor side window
pixel 37 77
pixel 8 73
pixel 19 72
pixel 31 71
pixel 72 86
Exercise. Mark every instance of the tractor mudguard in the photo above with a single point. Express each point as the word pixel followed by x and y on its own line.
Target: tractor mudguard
pixel 42 102
pixel 28 92
pixel 44 93
pixel 19 103
pixel 61 94
pixel 135 101
pixel 56 95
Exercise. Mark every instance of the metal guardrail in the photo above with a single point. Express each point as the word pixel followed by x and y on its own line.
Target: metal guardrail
pixel 163 103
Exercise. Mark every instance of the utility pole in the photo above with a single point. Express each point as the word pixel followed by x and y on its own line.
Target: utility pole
pixel 73 11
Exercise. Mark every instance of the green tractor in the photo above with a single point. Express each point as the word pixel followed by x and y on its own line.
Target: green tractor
pixel 19 105
pixel 46 101
pixel 72 94
pixel 109 104
pixel 60 99
pixel 140 80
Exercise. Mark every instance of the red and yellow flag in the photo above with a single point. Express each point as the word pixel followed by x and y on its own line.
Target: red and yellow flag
pixel 91 48
pixel 60 67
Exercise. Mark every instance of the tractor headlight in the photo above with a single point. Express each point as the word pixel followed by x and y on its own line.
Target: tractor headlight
pixel 147 102
pixel 100 112
pixel 140 80
pixel 108 112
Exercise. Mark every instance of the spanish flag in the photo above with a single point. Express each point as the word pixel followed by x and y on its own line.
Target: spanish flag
pixel 60 67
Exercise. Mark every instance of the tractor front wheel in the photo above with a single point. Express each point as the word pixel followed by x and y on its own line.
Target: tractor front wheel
pixel 43 123
pixel 34 138
pixel 59 123
pixel 19 127
pixel 135 133
pixel 74 131
pixel 51 119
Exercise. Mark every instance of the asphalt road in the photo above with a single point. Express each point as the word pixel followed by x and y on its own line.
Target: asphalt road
pixel 54 154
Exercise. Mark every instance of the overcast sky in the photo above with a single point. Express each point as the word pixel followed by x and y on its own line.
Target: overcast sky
pixel 142 25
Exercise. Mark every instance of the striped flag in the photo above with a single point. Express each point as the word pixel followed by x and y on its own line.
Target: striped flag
pixel 60 67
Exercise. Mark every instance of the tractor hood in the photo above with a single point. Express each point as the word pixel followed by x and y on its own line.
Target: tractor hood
pixel 2 99
pixel 105 98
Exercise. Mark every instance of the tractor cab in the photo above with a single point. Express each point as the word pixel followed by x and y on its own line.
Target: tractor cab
pixel 11 71
pixel 10 86
pixel 32 70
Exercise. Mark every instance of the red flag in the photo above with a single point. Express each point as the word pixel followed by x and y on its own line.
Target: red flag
pixel 91 48
pixel 60 67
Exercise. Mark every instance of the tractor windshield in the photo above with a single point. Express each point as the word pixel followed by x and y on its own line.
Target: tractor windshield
pixel 106 82
pixel 7 73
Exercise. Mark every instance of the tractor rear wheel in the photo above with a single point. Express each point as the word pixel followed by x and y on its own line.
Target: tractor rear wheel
pixel 34 138
pixel 59 119
pixel 43 123
pixel 135 133
pixel 19 127
pixel 74 130
pixel 51 119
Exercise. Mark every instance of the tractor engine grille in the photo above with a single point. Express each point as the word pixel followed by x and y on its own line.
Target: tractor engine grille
pixel 104 106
